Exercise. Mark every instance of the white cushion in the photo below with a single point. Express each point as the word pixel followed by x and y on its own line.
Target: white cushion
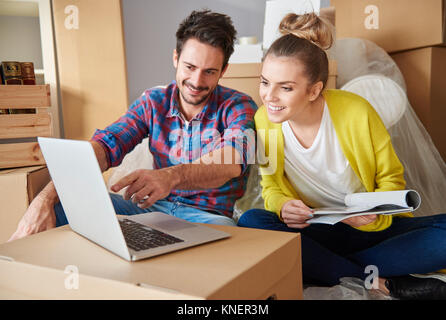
pixel 384 94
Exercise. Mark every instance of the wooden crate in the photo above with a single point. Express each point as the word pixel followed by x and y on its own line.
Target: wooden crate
pixel 13 127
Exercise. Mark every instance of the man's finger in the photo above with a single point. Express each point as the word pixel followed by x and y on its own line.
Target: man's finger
pixel 142 195
pixel 124 182
pixel 133 188
pixel 148 200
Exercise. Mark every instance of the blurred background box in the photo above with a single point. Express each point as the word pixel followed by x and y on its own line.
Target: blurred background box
pixel 394 25
pixel 18 188
pixel 424 71
pixel 244 77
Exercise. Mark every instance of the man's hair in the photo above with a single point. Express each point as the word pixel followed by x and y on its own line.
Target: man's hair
pixel 208 27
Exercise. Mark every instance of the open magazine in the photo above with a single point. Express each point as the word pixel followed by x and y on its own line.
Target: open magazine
pixel 364 203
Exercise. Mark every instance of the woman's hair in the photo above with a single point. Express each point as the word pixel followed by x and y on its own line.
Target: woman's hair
pixel 305 37
pixel 209 27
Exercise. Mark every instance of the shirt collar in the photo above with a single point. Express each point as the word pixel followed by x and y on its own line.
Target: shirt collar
pixel 209 111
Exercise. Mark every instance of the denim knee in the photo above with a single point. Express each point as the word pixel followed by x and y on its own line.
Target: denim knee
pixel 257 218
pixel 61 218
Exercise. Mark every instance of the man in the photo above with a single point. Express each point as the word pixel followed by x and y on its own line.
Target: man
pixel 193 125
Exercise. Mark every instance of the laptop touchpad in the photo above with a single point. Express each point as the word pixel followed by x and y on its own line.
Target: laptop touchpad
pixel 173 225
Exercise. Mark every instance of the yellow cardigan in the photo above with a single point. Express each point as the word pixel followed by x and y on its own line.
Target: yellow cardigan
pixel 365 143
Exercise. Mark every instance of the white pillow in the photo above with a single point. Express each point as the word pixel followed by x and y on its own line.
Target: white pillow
pixel 384 94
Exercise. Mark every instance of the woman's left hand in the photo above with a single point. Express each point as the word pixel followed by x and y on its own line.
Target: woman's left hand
pixel 360 220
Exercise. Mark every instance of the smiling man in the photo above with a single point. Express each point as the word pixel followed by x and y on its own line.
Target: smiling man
pixel 193 124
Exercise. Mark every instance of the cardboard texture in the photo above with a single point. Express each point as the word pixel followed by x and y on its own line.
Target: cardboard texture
pixel 93 83
pixel 424 70
pixel 245 77
pixel 394 25
pixel 19 187
pixel 328 13
pixel 251 264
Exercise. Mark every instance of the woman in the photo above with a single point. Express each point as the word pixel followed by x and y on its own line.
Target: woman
pixel 331 143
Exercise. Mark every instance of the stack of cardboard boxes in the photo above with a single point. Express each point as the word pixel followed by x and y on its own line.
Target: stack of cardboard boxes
pixel 413 33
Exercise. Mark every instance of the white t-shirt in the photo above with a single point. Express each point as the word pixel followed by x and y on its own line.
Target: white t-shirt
pixel 321 174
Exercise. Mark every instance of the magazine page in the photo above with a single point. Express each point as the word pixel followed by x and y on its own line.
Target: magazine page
pixel 378 202
pixel 335 218
pixel 401 198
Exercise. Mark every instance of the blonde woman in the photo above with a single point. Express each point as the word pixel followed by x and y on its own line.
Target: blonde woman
pixel 331 143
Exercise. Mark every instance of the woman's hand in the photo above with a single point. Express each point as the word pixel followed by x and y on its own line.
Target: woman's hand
pixel 360 220
pixel 295 214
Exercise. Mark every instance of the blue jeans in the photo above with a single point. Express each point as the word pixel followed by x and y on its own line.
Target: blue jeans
pixel 177 209
pixel 409 245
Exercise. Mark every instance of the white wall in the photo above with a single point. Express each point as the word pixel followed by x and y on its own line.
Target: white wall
pixel 150 26
pixel 20 40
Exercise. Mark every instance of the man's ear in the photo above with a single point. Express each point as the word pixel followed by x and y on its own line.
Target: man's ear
pixel 175 58
pixel 316 90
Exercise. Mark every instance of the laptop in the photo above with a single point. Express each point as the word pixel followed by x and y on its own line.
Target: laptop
pixel 78 180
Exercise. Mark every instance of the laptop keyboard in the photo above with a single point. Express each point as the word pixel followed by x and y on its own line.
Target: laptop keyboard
pixel 140 237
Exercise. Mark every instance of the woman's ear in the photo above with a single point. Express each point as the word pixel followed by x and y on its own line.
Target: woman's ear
pixel 316 90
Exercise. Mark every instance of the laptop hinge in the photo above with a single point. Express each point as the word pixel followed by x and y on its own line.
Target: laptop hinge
pixel 150 286
pixel 5 258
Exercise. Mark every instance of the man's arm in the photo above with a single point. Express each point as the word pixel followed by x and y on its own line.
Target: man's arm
pixel 40 215
pixel 210 171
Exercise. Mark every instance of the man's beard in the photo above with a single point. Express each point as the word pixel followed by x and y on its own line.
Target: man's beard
pixel 195 103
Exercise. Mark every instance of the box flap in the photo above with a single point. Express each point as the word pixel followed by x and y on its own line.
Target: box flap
pixel 37 180
pixel 25 281
pixel 24 170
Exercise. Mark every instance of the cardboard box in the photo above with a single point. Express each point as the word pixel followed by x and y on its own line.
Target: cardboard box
pixel 93 83
pixel 245 77
pixel 394 25
pixel 19 187
pixel 424 70
pixel 251 264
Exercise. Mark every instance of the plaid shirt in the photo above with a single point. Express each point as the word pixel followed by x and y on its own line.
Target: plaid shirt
pixel 226 120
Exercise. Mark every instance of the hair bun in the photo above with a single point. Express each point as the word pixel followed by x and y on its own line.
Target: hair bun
pixel 308 26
